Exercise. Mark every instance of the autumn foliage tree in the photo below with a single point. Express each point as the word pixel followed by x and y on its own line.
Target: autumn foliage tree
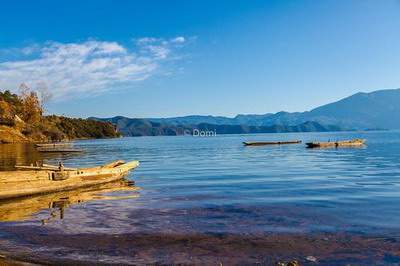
pixel 32 110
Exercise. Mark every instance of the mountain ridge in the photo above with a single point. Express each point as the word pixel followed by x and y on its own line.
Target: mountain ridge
pixel 144 127
pixel 360 111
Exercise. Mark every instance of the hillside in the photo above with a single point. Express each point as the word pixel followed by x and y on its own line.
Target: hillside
pixel 22 120
pixel 379 109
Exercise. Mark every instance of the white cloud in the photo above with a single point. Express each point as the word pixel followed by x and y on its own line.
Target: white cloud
pixel 179 39
pixel 89 67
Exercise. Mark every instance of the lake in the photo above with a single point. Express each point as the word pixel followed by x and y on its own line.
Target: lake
pixel 211 200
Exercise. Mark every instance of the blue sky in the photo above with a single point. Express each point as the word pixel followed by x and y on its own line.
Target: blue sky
pixel 172 58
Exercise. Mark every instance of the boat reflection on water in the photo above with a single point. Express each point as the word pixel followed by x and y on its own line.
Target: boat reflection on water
pixel 26 154
pixel 25 208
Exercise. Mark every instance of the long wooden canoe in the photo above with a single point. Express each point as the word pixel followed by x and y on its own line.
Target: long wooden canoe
pixel 54 144
pixel 33 180
pixel 262 143
pixel 335 144
pixel 61 149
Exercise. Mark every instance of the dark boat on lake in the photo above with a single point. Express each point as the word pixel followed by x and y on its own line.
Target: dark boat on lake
pixel 263 143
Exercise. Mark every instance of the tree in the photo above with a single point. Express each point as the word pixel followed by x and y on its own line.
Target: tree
pixel 44 94
pixel 31 107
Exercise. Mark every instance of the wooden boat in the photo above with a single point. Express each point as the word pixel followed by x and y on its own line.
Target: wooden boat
pixel 262 143
pixel 53 145
pixel 33 180
pixel 58 149
pixel 335 144
pixel 56 203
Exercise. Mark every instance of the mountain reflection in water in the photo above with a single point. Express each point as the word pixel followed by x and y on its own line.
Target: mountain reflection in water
pixel 56 203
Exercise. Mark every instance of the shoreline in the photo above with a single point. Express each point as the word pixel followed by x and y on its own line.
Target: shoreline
pixel 208 249
pixel 6 261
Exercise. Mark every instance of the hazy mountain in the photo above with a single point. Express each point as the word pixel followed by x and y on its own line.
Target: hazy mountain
pixel 196 119
pixel 244 129
pixel 144 127
pixel 379 109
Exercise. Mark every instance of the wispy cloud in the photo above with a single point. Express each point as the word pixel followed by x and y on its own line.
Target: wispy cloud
pixel 89 67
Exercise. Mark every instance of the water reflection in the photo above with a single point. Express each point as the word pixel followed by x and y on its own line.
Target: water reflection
pixel 26 154
pixel 212 198
pixel 21 154
pixel 56 203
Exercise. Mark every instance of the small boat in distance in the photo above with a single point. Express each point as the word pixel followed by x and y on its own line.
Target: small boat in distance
pixel 263 143
pixel 57 147
pixel 336 144
pixel 53 144
pixel 43 179
pixel 61 149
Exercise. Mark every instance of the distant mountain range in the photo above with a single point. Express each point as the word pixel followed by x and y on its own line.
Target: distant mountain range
pixel 144 127
pixel 361 111
pixel 379 109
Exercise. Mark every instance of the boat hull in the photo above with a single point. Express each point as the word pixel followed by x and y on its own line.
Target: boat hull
pixel 263 143
pixel 58 150
pixel 337 144
pixel 14 184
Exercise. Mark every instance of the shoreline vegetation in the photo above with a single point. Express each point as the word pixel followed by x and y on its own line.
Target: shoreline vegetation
pixel 22 120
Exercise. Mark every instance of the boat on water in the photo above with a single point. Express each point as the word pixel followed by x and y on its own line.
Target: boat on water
pixel 57 147
pixel 61 149
pixel 34 180
pixel 336 144
pixel 53 144
pixel 262 143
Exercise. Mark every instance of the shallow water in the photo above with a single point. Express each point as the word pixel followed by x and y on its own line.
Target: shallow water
pixel 188 186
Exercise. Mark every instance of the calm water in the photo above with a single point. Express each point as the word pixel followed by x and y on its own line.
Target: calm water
pixel 215 185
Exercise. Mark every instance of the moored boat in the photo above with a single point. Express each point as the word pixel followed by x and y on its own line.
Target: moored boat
pixel 335 144
pixel 53 144
pixel 33 180
pixel 57 147
pixel 262 143
pixel 61 149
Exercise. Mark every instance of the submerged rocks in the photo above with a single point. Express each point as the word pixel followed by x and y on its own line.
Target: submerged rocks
pixel 311 258
pixel 290 263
